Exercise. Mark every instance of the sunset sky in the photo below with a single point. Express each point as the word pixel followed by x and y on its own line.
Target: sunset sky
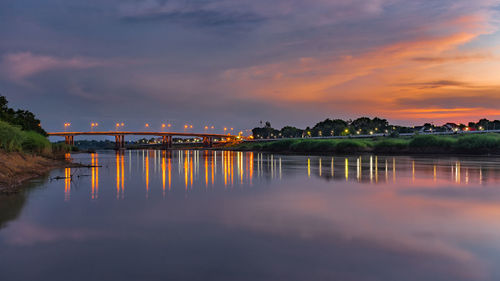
pixel 236 62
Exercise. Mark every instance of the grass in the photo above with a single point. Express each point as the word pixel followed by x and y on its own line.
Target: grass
pixel 471 144
pixel 13 139
pixel 308 145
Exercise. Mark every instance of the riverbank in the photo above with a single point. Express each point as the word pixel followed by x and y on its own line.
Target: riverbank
pixel 17 167
pixel 423 144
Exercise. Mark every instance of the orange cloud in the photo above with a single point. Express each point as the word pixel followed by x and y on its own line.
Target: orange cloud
pixel 373 82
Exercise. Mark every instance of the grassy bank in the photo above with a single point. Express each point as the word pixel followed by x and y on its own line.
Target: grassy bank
pixel 423 144
pixel 13 139
pixel 24 155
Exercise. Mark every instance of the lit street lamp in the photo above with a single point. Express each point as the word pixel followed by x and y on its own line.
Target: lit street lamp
pixel 118 125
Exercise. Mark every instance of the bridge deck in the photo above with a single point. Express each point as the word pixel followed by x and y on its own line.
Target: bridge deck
pixel 115 133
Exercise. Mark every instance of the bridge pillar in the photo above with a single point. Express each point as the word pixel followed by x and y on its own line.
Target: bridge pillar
pixel 208 141
pixel 119 141
pixel 69 140
pixel 166 142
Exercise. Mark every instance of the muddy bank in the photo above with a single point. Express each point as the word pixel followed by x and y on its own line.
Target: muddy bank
pixel 16 168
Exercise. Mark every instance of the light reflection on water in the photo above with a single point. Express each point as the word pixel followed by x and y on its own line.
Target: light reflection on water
pixel 238 168
pixel 224 215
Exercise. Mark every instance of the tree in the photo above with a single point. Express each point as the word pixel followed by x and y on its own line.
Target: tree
pixel 329 127
pixel 22 118
pixel 291 132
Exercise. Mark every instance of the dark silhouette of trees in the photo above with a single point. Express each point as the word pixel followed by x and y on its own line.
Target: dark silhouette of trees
pixel 364 126
pixel 329 127
pixel 291 132
pixel 25 119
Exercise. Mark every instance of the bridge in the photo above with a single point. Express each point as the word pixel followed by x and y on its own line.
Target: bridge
pixel 208 139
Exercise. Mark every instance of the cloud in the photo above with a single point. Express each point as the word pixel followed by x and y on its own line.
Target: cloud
pixel 316 58
pixel 439 84
pixel 455 99
pixel 21 65
pixel 201 12
pixel 456 58
pixel 216 12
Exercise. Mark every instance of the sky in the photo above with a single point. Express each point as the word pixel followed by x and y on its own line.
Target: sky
pixel 234 63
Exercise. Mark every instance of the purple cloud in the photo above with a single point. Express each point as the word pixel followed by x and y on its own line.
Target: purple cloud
pixel 24 64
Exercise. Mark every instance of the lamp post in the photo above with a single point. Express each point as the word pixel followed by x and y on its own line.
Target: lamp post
pixel 92 125
pixel 119 125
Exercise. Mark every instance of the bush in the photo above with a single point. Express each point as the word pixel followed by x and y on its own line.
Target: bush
pixel 11 137
pixel 61 148
pixel 478 143
pixel 391 145
pixel 281 145
pixel 351 146
pixel 429 141
pixel 36 143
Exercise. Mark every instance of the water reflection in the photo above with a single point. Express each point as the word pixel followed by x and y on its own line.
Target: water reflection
pixel 67 184
pixel 240 168
pixel 95 176
pixel 279 217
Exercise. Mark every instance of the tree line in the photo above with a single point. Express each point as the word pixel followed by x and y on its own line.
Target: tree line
pixel 24 119
pixel 363 126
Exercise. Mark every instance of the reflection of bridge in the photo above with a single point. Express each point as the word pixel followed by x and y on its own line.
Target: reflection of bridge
pixel 208 139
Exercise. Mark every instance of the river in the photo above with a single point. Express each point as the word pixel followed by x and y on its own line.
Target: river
pixel 221 215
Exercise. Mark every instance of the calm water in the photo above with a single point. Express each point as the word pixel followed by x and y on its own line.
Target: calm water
pixel 195 215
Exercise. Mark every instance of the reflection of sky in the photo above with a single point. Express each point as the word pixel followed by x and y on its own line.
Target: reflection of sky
pixel 161 214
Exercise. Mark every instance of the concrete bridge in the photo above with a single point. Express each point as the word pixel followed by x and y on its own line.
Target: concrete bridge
pixel 208 139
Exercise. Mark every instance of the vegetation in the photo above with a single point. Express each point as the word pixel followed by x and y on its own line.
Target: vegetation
pixel 13 139
pixel 365 126
pixel 476 144
pixel 21 118
pixel 20 131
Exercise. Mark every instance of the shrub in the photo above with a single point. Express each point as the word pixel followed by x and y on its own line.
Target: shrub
pixel 391 145
pixel 478 143
pixel 11 137
pixel 351 146
pixel 429 141
pixel 281 145
pixel 61 148
pixel 36 143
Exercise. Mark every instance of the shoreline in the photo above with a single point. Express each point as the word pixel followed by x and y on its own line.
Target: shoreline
pixel 17 168
pixel 418 145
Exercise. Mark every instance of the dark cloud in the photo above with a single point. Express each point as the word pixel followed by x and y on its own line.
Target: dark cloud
pixel 199 18
pixel 439 84
pixel 444 59
pixel 460 99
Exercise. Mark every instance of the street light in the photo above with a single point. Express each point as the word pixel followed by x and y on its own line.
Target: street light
pixel 118 125
pixel 66 125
